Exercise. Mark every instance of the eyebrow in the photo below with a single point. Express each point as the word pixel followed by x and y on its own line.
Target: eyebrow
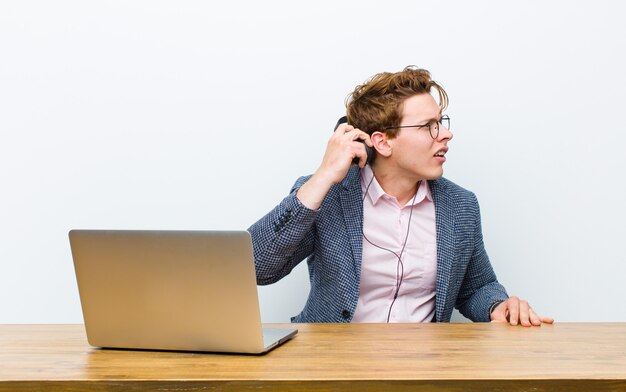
pixel 434 118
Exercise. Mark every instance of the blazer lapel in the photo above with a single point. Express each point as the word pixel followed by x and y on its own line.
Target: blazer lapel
pixel 445 245
pixel 352 207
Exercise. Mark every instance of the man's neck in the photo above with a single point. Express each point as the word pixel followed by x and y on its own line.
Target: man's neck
pixel 401 187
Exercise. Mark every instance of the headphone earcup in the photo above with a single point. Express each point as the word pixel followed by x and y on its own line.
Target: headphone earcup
pixel 342 120
pixel 370 153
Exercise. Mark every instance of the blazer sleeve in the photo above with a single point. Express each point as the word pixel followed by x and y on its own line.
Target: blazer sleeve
pixel 283 237
pixel 480 287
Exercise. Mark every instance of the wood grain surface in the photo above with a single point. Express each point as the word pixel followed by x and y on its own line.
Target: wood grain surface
pixel 455 356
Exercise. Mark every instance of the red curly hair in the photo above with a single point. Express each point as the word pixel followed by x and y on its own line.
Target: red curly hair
pixel 377 103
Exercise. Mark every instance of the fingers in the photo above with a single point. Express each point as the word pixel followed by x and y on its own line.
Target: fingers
pixel 343 128
pixel 352 133
pixel 537 320
pixel 534 318
pixel 352 141
pixel 513 304
pixel 359 140
pixel 342 148
pixel 520 312
pixel 524 313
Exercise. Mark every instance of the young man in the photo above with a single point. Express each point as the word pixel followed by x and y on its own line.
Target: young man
pixel 387 239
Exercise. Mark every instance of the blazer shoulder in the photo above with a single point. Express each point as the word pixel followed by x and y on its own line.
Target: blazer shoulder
pixel 446 187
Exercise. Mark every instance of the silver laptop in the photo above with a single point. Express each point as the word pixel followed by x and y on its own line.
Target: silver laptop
pixel 171 290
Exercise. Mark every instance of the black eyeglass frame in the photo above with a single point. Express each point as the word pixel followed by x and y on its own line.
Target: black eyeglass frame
pixel 443 118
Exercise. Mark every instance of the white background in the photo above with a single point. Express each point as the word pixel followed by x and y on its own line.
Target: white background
pixel 200 115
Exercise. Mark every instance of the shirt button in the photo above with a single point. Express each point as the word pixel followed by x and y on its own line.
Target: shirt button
pixel 345 314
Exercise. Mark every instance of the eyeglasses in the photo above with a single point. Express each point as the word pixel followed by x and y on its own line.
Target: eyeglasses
pixel 433 126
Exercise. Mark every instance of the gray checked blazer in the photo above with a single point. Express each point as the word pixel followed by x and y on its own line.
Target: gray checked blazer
pixel 331 240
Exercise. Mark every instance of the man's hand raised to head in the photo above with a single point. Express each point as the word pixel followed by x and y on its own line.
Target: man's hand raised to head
pixel 342 148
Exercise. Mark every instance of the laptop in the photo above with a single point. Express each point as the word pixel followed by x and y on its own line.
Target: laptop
pixel 171 290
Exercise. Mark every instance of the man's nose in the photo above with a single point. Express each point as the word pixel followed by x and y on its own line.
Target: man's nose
pixel 444 133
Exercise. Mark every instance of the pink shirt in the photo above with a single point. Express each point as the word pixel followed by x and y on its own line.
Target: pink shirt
pixel 385 224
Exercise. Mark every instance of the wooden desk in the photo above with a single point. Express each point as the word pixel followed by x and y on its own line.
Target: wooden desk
pixel 356 357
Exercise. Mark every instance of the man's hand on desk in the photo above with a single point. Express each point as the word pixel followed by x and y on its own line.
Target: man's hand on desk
pixel 516 311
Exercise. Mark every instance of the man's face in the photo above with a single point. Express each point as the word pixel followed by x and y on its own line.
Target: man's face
pixel 415 154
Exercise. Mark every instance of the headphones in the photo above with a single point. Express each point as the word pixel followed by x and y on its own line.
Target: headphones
pixel 368 150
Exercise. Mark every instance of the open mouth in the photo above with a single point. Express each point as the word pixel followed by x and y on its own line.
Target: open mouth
pixel 440 153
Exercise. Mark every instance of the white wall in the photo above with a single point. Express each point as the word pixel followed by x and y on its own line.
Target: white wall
pixel 200 115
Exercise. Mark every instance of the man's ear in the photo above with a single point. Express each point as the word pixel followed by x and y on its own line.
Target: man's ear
pixel 381 143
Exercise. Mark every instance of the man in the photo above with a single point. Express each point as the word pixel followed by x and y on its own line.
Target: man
pixel 386 239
